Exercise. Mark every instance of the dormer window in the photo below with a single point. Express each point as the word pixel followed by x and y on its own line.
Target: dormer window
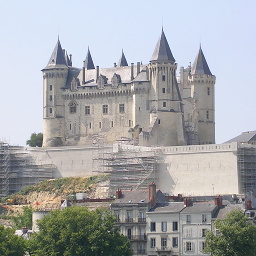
pixel 72 107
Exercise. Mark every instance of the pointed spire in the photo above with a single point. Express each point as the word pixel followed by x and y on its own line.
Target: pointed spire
pixel 88 63
pixel 162 51
pixel 122 62
pixel 58 56
pixel 200 66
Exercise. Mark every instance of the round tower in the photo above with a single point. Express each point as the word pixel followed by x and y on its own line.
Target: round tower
pixel 202 91
pixel 55 77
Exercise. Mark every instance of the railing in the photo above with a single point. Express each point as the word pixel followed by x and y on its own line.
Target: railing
pixel 138 237
pixel 129 220
pixel 163 248
pixel 141 251
pixel 141 219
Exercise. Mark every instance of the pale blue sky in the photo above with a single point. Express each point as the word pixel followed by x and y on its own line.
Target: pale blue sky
pixel 29 30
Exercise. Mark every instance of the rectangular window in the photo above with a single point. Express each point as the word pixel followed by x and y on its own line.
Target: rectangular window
pixel 87 110
pixel 152 243
pixel 163 90
pixel 105 109
pixel 152 226
pixel 158 121
pixel 121 108
pixel 129 216
pixel 50 87
pixel 204 232
pixel 90 125
pixel 189 232
pixel 164 226
pixel 112 123
pixel 163 77
pixel 99 124
pixel 204 218
pixel 163 243
pixel 207 114
pixel 188 218
pixel 130 123
pixel 50 97
pixel 188 246
pixel 70 127
pixel 175 226
pixel 129 233
pixel 116 213
pixel 50 110
pixel 175 242
pixel 208 91
pixel 164 104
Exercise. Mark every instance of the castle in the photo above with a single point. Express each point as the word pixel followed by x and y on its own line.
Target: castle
pixel 149 104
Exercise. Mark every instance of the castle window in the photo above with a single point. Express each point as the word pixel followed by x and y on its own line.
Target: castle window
pixel 90 125
pixel 208 91
pixel 121 108
pixel 130 123
pixel 158 121
pixel 87 110
pixel 163 90
pixel 207 114
pixel 72 107
pixel 50 97
pixel 50 87
pixel 163 77
pixel 164 104
pixel 112 123
pixel 50 110
pixel 105 109
pixel 99 124
pixel 70 127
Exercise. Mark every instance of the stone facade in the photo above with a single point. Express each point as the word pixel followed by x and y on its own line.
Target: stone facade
pixel 145 103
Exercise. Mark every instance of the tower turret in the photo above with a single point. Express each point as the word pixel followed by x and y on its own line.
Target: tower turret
pixel 122 62
pixel 202 90
pixel 165 99
pixel 55 77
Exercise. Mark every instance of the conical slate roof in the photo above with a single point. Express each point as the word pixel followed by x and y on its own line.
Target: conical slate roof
pixel 122 62
pixel 162 52
pixel 58 56
pixel 200 66
pixel 88 63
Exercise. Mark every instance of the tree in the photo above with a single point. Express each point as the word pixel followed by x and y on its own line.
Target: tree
pixel 76 231
pixel 11 244
pixel 36 140
pixel 23 219
pixel 237 236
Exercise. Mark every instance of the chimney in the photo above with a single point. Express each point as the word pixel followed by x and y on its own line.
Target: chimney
pixel 132 75
pixel 218 201
pixel 97 72
pixel 70 58
pixel 152 194
pixel 187 201
pixel 118 193
pixel 83 73
pixel 138 68
pixel 115 65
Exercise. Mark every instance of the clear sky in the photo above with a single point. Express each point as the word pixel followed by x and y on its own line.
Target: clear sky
pixel 29 30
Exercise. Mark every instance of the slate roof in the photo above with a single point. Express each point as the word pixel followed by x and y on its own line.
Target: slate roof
pixel 245 137
pixel 226 208
pixel 122 62
pixel 124 72
pixel 200 66
pixel 162 52
pixel 139 196
pixel 58 56
pixel 199 207
pixel 88 63
pixel 170 207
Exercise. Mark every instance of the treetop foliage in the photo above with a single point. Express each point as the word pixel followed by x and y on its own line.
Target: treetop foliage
pixel 237 236
pixel 36 140
pixel 77 231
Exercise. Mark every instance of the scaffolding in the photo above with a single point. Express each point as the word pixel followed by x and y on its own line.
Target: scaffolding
pixel 131 168
pixel 18 169
pixel 247 170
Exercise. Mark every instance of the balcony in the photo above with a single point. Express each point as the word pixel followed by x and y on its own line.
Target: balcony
pixel 141 251
pixel 138 237
pixel 129 220
pixel 142 220
pixel 163 249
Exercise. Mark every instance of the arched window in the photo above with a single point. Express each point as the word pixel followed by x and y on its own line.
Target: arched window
pixel 72 107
